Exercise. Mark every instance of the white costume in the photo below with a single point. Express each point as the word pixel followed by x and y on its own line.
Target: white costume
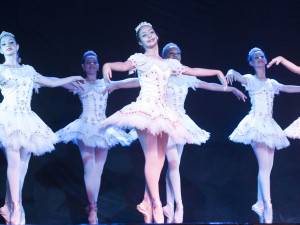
pixel 259 125
pixel 151 111
pixel 176 95
pixel 19 126
pixel 86 128
pixel 293 130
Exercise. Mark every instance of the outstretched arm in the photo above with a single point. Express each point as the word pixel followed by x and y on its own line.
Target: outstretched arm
pixel 127 83
pixel 290 88
pixel 56 82
pixel 115 66
pixel 217 87
pixel 233 75
pixel 291 66
pixel 200 72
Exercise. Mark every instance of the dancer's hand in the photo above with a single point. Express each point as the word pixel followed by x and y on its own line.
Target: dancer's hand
pixel 240 95
pixel 106 71
pixel 276 60
pixel 230 76
pixel 109 90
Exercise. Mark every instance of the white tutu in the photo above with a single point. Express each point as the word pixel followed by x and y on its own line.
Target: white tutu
pixel 21 128
pixel 86 128
pixel 259 129
pixel 293 130
pixel 92 136
pixel 258 125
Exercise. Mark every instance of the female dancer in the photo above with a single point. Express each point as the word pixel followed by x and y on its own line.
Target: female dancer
pixel 22 132
pixel 258 128
pixel 176 95
pixel 93 144
pixel 153 120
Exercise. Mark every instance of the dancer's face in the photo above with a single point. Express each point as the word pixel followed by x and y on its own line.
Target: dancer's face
pixel 9 46
pixel 148 37
pixel 258 59
pixel 90 65
pixel 173 53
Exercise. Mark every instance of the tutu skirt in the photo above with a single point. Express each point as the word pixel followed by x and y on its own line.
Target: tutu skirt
pixel 155 118
pixel 293 130
pixel 260 129
pixel 93 137
pixel 25 130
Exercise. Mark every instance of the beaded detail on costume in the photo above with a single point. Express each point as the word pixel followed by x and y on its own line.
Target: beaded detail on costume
pixel 259 124
pixel 86 128
pixel 19 126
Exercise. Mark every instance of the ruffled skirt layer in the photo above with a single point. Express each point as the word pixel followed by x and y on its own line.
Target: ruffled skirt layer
pixel 293 130
pixel 260 129
pixel 92 136
pixel 154 118
pixel 25 130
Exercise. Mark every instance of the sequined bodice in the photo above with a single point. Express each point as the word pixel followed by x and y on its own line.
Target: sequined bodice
pixel 93 101
pixel 154 77
pixel 16 86
pixel 262 95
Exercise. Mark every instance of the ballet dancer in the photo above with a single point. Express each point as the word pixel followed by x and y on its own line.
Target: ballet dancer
pixel 84 132
pixel 259 128
pixel 22 132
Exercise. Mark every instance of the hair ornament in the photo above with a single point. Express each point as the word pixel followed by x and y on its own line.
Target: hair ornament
pixel 168 46
pixel 4 33
pixel 142 24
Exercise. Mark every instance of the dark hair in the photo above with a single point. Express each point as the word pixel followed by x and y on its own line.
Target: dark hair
pixel 88 53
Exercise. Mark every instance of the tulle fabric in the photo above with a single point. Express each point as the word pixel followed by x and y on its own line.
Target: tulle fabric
pixel 92 136
pixel 293 130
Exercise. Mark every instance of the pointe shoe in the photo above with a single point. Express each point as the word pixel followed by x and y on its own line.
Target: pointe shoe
pixel 259 208
pixel 268 213
pixel 158 215
pixel 22 220
pixel 93 218
pixel 178 217
pixel 5 212
pixel 16 214
pixel 168 211
pixel 146 210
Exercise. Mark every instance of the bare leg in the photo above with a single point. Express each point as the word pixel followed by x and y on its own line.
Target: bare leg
pixel 173 184
pixel 265 159
pixel 13 176
pixel 154 151
pixel 93 163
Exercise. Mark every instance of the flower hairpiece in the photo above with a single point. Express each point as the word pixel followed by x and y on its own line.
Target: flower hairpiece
pixel 4 33
pixel 142 24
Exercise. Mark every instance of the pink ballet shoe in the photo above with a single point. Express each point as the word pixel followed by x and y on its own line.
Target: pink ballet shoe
pixel 16 214
pixel 93 218
pixel 259 208
pixel 178 217
pixel 158 215
pixel 268 213
pixel 5 212
pixel 168 211
pixel 146 210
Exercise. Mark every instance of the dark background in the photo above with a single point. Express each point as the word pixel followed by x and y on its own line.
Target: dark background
pixel 219 177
